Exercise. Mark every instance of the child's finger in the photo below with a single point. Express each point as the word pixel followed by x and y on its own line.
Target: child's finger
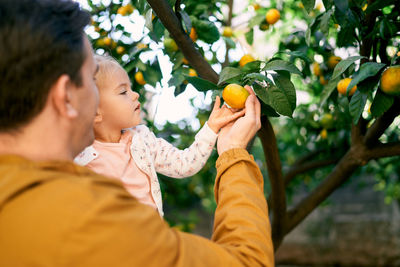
pixel 249 89
pixel 217 103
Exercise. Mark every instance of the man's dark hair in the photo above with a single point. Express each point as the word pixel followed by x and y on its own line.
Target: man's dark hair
pixel 40 40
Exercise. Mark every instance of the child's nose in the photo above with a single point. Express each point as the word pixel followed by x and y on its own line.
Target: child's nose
pixel 135 96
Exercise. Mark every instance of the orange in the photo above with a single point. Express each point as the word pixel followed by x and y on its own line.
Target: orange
pixel 193 35
pixel 327 121
pixel 120 50
pixel 235 95
pixel 122 11
pixel 324 134
pixel 139 78
pixel 316 69
pixel 245 59
pixel 342 86
pixel 107 41
pixel 390 80
pixel 333 61
pixel 256 6
pixel 185 61
pixel 227 32
pixel 141 46
pixel 322 80
pixel 192 72
pixel 129 8
pixel 272 16
pixel 170 45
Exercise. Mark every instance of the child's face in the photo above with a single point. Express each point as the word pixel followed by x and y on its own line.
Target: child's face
pixel 119 106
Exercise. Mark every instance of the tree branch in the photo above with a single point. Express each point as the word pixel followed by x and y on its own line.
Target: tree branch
pixel 278 196
pixel 381 124
pixel 343 170
pixel 384 150
pixel 358 131
pixel 173 25
pixel 298 169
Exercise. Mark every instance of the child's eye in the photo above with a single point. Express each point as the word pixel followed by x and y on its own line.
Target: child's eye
pixel 123 93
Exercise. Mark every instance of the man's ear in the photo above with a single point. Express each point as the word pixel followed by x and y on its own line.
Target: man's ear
pixel 61 96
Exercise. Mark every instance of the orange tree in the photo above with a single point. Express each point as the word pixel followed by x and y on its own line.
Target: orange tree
pixel 326 50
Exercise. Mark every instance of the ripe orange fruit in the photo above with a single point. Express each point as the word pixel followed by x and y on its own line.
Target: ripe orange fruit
pixel 316 69
pixel 272 16
pixel 256 6
pixel 324 134
pixel 193 35
pixel 170 45
pixel 322 80
pixel 120 50
pixel 139 78
pixel 141 46
pixel 342 87
pixel 245 59
pixel 192 72
pixel 390 80
pixel 107 41
pixel 185 61
pixel 227 32
pixel 129 8
pixel 398 54
pixel 122 10
pixel 333 61
pixel 235 95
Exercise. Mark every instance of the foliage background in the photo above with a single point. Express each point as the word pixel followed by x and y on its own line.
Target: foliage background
pixel 305 35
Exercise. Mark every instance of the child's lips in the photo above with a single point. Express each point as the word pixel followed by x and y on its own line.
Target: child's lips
pixel 138 107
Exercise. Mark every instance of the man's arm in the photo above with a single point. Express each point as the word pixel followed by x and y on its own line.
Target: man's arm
pixel 121 231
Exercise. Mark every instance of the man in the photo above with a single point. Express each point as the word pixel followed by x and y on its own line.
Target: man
pixel 54 213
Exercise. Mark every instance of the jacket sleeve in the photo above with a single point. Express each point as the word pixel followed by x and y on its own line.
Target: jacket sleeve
pixel 118 230
pixel 176 163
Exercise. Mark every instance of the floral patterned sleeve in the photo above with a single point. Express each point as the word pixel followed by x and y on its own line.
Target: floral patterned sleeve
pixel 176 163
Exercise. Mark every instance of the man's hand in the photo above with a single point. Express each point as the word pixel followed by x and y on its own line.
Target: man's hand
pixel 239 133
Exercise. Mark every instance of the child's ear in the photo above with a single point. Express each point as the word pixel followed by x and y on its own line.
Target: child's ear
pixel 99 117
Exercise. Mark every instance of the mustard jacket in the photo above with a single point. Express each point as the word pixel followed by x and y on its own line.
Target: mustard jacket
pixel 61 214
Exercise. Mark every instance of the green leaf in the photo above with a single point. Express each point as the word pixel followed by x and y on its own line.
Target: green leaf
pixel 206 31
pixel 279 101
pixel 287 88
pixel 343 65
pixel 379 5
pixel 256 20
pixel 229 42
pixel 308 5
pixel 282 65
pixel 228 73
pixel 381 103
pixel 325 19
pixel 366 70
pixel 297 54
pixel 201 84
pixel 328 4
pixel 149 19
pixel 261 92
pixel 186 20
pixel 253 66
pixel 250 78
pixel 249 36
pixel 328 89
pixel 357 104
pixel 268 110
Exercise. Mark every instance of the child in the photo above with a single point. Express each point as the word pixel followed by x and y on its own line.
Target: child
pixel 125 150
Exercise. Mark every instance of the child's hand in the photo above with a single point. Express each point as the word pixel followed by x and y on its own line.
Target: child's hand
pixel 221 116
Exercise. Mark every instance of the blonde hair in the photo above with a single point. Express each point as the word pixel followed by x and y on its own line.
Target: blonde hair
pixel 107 66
